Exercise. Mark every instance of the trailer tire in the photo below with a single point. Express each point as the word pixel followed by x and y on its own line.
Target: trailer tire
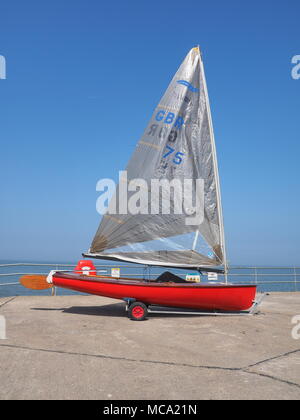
pixel 137 311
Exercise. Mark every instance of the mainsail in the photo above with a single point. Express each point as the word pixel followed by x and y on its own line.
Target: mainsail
pixel 174 166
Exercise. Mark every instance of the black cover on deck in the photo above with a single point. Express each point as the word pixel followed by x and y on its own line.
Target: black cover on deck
pixel 167 276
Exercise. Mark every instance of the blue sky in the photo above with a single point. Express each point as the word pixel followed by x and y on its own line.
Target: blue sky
pixel 83 78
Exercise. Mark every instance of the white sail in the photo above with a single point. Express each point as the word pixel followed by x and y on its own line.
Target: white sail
pixel 178 148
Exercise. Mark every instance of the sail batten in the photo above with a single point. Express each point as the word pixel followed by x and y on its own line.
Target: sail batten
pixel 174 166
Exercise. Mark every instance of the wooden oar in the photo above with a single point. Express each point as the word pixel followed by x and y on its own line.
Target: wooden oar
pixel 35 281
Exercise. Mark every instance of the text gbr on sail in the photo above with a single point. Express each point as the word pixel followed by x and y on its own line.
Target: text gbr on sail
pixel 169 118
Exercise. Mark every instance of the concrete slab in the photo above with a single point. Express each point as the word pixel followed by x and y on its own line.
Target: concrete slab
pixel 82 347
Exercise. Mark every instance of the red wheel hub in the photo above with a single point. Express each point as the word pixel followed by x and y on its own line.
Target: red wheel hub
pixel 138 312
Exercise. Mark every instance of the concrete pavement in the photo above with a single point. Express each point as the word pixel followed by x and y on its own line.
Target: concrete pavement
pixel 84 347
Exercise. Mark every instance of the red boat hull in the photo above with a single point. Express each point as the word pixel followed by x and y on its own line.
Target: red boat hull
pixel 208 297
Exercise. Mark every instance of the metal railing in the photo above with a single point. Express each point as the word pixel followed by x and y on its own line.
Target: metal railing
pixel 266 278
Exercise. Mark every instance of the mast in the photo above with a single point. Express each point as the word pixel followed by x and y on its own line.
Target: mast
pixel 215 163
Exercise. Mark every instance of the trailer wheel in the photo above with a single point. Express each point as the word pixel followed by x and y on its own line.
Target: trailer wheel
pixel 137 311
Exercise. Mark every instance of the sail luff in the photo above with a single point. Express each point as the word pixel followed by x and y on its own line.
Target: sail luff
pixel 215 164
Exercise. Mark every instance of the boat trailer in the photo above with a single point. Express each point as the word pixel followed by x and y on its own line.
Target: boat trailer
pixel 138 311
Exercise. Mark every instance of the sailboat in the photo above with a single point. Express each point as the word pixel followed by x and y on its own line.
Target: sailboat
pixel 180 223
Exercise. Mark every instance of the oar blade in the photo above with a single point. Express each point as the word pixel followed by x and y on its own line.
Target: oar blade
pixel 35 282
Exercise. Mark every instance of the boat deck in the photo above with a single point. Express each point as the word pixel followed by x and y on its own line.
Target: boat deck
pixel 147 283
pixel 84 347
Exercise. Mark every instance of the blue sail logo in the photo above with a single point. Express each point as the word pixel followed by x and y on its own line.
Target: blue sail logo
pixel 188 85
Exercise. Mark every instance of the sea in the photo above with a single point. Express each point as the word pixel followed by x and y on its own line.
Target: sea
pixel 267 279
